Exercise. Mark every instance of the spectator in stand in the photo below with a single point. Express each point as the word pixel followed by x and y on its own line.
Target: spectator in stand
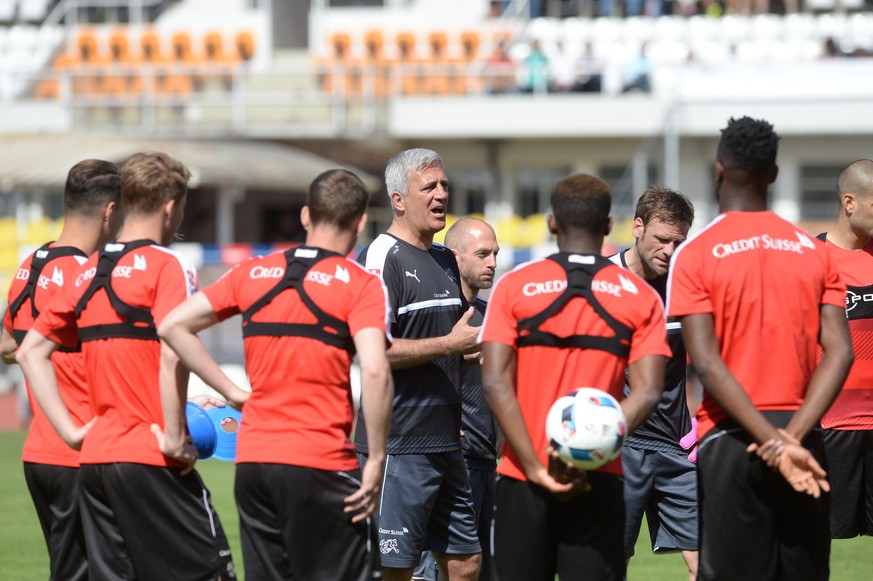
pixel 637 72
pixel 500 71
pixel 537 73
pixel 590 68
pixel 562 70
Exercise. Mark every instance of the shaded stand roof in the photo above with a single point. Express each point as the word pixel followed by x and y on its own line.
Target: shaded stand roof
pixel 42 161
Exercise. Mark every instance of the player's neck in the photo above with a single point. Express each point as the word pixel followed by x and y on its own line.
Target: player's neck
pixel 331 239
pixel 144 228
pixel 422 240
pixel 846 237
pixel 743 198
pixel 579 242
pixel 470 293
pixel 635 265
pixel 80 233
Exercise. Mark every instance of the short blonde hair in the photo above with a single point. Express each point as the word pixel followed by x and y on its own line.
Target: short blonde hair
pixel 149 180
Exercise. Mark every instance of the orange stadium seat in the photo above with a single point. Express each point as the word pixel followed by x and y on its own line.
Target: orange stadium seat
pixel 216 65
pixel 437 69
pixel 341 73
pixel 470 81
pixel 151 64
pixel 411 72
pixel 50 88
pixel 117 78
pixel 376 68
pixel 178 80
pixel 374 42
pixel 84 64
pixel 245 45
pixel 181 43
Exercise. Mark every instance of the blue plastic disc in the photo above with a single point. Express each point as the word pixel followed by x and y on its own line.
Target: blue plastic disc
pixel 202 430
pixel 225 431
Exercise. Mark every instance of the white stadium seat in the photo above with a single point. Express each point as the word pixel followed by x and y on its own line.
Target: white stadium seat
pixel 577 30
pixel 607 30
pixel 639 29
pixel 834 26
pixel 671 28
pixel 711 53
pixel 734 29
pixel 799 26
pixel 33 10
pixel 668 52
pixel 767 27
pixel 7 10
pixel 702 29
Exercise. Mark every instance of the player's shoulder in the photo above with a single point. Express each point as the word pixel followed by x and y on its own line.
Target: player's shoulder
pixel 438 249
pixel 262 266
pixel 379 253
pixel 344 270
pixel 530 269
pixel 621 282
pixel 523 275
pixel 164 254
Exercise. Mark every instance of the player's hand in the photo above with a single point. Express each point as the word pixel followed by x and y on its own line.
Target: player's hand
pixel 364 502
pixel 463 336
pixel 238 398
pixel 207 401
pixel 802 471
pixel 560 478
pixel 183 451
pixel 770 451
pixel 76 437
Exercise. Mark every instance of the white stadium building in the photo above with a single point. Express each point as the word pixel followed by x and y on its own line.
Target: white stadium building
pixel 259 96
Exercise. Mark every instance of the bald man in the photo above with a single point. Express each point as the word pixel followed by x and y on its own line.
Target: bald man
pixel 474 245
pixel 849 422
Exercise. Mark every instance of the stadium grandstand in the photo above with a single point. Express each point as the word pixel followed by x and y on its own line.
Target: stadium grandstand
pixel 258 95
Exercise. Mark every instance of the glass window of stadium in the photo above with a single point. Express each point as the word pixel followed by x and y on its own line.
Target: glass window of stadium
pixel 467 192
pixel 621 182
pixel 818 186
pixel 534 189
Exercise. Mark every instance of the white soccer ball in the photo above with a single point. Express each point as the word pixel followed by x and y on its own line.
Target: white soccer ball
pixel 586 427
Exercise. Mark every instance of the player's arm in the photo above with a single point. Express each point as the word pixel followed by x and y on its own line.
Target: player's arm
pixel 377 395
pixel 179 330
pixel 829 376
pixel 461 340
pixel 794 462
pixel 35 358
pixel 646 379
pixel 498 382
pixel 173 440
pixel 7 346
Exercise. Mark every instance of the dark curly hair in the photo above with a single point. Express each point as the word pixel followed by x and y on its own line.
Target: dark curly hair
pixel 749 145
pixel 582 201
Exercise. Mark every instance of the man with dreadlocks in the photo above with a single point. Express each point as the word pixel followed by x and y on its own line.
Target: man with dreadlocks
pixel 756 296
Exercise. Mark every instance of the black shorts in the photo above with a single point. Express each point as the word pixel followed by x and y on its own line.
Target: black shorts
pixel 850 473
pixel 663 487
pixel 142 522
pixel 426 505
pixel 482 485
pixel 55 492
pixel 536 535
pixel 292 524
pixel 753 524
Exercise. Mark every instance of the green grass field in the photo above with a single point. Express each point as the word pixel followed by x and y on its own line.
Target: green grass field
pixel 23 555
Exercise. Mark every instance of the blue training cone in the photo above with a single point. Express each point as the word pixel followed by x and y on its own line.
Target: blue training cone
pixel 226 422
pixel 202 430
